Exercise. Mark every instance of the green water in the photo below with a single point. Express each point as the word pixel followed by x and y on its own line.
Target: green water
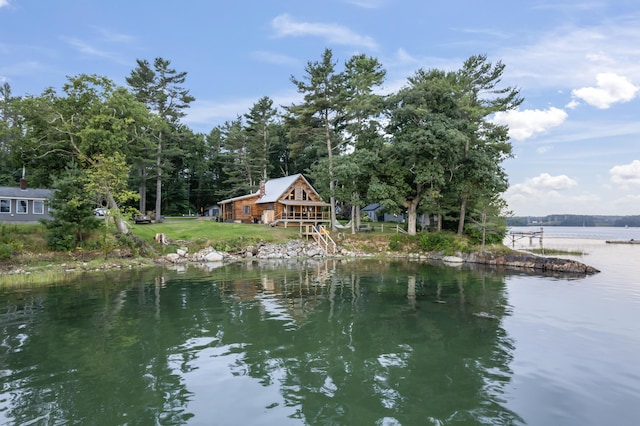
pixel 323 343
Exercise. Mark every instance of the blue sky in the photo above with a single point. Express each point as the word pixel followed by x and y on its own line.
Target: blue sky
pixel 576 137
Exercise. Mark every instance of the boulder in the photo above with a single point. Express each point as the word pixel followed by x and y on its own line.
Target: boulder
pixel 213 256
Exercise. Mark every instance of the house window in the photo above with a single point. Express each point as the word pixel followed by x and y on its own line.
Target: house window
pixel 21 207
pixel 304 195
pixel 38 207
pixel 5 206
pixel 246 209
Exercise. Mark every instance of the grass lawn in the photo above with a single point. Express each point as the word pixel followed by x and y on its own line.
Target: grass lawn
pixel 215 232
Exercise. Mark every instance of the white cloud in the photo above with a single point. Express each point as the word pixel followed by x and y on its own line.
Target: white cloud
pixel 88 49
pixel 285 26
pixel 366 4
pixel 543 184
pixel 527 123
pixel 114 37
pixel 274 58
pixel 611 88
pixel 626 174
pixel 544 149
pixel 545 194
pixel 569 56
pixel 4 3
pixel 546 182
pixel 204 115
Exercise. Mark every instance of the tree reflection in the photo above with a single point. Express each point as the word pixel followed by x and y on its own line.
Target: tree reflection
pixel 326 341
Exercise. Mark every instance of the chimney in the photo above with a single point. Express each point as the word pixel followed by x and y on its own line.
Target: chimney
pixel 262 189
pixel 23 181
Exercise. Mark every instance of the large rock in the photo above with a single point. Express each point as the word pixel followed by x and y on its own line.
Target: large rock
pixel 528 261
pixel 213 256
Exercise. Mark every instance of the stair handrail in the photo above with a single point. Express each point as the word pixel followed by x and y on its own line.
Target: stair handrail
pixel 325 240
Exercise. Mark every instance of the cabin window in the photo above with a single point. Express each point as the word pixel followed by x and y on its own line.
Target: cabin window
pixel 292 195
pixel 38 207
pixel 5 206
pixel 304 195
pixel 246 209
pixel 21 207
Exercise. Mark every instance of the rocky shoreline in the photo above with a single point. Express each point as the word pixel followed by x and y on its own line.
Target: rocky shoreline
pixel 305 249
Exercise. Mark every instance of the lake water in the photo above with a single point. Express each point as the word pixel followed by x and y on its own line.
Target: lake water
pixel 364 342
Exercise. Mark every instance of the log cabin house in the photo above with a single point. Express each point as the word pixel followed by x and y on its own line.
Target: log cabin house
pixel 283 201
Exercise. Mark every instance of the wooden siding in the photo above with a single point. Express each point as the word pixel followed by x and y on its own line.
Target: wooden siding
pixel 299 203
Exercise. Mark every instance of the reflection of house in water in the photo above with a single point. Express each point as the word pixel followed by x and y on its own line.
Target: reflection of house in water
pixel 286 289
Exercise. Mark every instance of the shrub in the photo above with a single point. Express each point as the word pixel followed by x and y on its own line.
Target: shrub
pixel 443 242
pixel 6 251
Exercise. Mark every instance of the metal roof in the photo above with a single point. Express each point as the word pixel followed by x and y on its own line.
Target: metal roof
pixel 30 193
pixel 273 190
pixel 241 197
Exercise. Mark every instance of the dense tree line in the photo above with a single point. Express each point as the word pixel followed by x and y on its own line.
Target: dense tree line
pixel 429 148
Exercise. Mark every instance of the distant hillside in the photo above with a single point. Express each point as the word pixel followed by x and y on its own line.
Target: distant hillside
pixel 574 220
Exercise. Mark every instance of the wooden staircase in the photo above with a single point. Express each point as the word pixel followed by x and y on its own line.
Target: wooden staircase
pixel 322 236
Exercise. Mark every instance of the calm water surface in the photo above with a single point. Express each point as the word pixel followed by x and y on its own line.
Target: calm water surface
pixel 353 343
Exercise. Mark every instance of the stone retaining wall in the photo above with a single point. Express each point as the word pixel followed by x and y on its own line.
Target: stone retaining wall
pixel 309 249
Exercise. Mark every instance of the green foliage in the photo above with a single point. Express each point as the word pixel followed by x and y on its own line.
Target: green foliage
pixel 440 153
pixel 443 242
pixel 403 242
pixel 494 234
pixel 72 212
pixel 231 245
pixel 6 251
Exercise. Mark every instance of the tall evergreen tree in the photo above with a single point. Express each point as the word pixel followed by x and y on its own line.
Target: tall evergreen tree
pixel 241 170
pixel 10 133
pixel 481 96
pixel 160 88
pixel 320 118
pixel 260 133
pixel 362 75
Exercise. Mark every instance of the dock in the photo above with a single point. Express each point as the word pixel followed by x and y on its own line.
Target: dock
pixel 514 236
pixel 631 241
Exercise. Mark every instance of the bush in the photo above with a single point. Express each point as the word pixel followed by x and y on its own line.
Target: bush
pixel 443 242
pixel 6 251
pixel 494 234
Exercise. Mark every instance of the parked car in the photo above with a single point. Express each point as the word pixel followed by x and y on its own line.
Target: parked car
pixel 100 212
pixel 141 218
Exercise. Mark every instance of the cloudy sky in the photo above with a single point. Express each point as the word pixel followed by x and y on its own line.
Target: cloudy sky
pixel 576 137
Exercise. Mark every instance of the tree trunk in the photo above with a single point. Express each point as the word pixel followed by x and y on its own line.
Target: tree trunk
pixel 332 183
pixel 412 211
pixel 463 212
pixel 121 225
pixel 142 190
pixel 159 180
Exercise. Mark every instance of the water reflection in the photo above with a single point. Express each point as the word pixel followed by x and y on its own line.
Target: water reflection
pixel 315 342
